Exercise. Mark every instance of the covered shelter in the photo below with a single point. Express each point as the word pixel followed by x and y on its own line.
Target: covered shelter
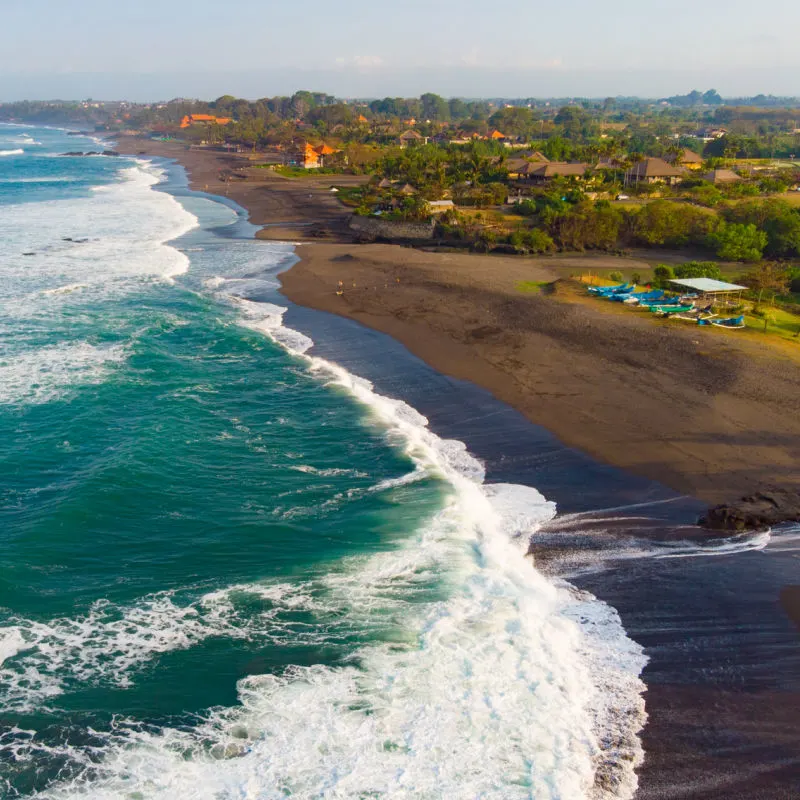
pixel 710 290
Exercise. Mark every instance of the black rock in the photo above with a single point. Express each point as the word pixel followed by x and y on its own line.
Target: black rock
pixel 755 512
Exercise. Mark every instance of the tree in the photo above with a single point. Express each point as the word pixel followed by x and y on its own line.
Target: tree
pixel 435 107
pixel 516 121
pixel 777 218
pixel 739 242
pixel 698 269
pixel 768 277
pixel 662 275
pixel 667 224
pixel 458 109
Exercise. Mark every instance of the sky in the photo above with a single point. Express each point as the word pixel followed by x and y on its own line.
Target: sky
pixel 148 50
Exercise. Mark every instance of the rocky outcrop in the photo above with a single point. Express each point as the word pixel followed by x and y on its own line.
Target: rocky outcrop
pixel 110 153
pixel 370 229
pixel 757 511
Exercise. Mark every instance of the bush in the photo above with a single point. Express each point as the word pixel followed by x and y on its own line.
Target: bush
pixel 668 224
pixel 636 278
pixel 662 275
pixel 615 276
pixel 739 242
pixel 531 241
pixel 698 269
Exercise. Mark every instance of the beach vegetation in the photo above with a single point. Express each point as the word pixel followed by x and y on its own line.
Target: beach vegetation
pixel 735 242
pixel 698 269
pixel 662 275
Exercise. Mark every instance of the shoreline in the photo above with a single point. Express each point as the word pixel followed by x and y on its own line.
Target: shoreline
pixel 711 414
pixel 696 705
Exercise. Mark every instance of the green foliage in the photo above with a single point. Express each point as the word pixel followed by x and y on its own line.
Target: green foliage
pixel 585 225
pixel 485 240
pixel 514 121
pixel 435 107
pixel 531 241
pixel 735 242
pixel 531 287
pixel 636 278
pixel 668 224
pixel 615 276
pixel 777 218
pixel 662 275
pixel 794 280
pixel 698 269
pixel 768 277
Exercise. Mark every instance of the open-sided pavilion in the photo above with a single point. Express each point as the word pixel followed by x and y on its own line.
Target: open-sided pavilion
pixel 711 290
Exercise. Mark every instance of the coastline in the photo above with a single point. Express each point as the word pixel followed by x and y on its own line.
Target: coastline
pixel 693 716
pixel 687 408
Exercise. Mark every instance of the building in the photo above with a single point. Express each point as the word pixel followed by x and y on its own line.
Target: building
pixel 536 172
pixel 717 176
pixel 411 138
pixel 309 157
pixel 654 170
pixel 440 206
pixel 710 290
pixel 686 158
pixel 203 119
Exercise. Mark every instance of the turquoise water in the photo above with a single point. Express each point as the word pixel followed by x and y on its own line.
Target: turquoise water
pixel 230 569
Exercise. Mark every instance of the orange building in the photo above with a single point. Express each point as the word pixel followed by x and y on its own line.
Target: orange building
pixel 205 119
pixel 310 157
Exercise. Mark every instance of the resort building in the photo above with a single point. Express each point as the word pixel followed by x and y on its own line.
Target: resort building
pixel 440 206
pixel 539 173
pixel 410 137
pixel 717 176
pixel 686 158
pixel 654 170
pixel 203 119
pixel 310 157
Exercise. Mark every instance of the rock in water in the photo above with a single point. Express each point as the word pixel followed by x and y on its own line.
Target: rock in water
pixel 757 511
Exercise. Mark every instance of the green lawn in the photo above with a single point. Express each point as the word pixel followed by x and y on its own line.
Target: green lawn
pixel 531 287
pixel 782 324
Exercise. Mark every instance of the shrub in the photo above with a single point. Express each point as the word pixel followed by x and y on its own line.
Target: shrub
pixel 615 276
pixel 662 275
pixel 739 242
pixel 531 241
pixel 636 278
pixel 698 269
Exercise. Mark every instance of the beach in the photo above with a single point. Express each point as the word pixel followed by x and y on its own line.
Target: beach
pixel 712 414
pixel 671 420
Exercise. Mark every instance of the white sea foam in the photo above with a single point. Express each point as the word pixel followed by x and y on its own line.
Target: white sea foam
pixel 85 252
pixel 16 152
pixel 508 686
pixel 54 179
pixel 511 687
pixel 46 373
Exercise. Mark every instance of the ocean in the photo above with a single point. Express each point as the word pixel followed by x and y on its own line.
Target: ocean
pixel 235 566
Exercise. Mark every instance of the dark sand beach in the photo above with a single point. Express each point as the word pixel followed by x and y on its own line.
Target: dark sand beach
pixel 711 414
pixel 684 416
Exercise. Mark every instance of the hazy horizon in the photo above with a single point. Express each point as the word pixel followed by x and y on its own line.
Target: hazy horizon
pixel 151 52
